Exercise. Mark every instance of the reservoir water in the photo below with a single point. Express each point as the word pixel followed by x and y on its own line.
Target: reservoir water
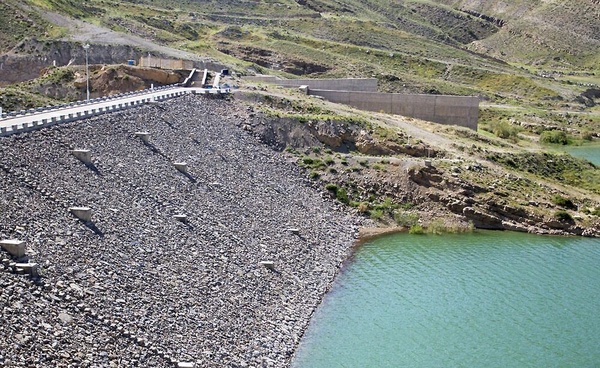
pixel 487 299
pixel 590 152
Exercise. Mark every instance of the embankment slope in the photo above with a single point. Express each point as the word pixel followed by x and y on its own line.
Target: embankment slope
pixel 136 287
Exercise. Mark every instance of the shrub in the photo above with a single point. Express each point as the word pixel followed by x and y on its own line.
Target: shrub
pixel 329 161
pixel 416 229
pixel 308 160
pixel 291 149
pixel 331 187
pixel 504 130
pixel 314 163
pixel 436 227
pixel 563 202
pixel 554 137
pixel 314 175
pixel 386 205
pixel 342 195
pixel 376 214
pixel 407 205
pixel 596 212
pixel 363 207
pixel 563 216
pixel 587 135
pixel 406 218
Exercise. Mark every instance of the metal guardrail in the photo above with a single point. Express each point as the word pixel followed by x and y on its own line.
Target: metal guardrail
pixel 95 111
pixel 12 114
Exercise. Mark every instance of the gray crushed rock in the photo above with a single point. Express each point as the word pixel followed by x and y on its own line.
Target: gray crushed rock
pixel 136 287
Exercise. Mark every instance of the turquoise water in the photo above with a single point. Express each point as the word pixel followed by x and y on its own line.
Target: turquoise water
pixel 589 152
pixel 488 299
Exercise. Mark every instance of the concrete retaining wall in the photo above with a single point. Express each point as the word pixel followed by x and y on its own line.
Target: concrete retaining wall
pixel 342 84
pixel 173 64
pixel 443 109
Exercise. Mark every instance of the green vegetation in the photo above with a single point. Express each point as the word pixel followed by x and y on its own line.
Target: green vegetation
pixel 563 202
pixel 340 193
pixel 407 219
pixel 563 216
pixel 562 168
pixel 503 129
pixel 416 229
pixel 554 137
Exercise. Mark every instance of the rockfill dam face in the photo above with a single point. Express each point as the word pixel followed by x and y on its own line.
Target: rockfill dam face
pixel 168 266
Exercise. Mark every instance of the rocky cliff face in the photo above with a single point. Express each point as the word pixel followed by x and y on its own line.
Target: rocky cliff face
pixel 27 60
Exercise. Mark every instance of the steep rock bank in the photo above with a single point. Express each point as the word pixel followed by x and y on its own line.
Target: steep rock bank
pixel 135 287
pixel 427 180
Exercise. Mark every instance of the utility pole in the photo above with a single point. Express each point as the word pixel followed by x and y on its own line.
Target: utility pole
pixel 87 70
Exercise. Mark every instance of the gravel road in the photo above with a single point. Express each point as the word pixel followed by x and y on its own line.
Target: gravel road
pixel 135 287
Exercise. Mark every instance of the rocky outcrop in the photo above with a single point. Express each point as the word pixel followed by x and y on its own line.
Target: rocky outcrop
pixel 496 21
pixel 438 192
pixel 339 135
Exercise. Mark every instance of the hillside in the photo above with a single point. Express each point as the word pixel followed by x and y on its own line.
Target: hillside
pixel 451 47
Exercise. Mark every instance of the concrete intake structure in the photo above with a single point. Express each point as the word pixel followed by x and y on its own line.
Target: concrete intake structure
pixel 442 109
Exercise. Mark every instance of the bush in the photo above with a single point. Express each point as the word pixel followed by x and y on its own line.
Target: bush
pixel 595 212
pixel 563 202
pixel 340 193
pixel 416 229
pixel 504 130
pixel 331 187
pixel 563 216
pixel 406 219
pixel 587 135
pixel 342 196
pixel 376 214
pixel 308 160
pixel 437 227
pixel 363 207
pixel 554 137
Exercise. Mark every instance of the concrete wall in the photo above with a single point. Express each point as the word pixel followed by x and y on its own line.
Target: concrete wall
pixel 450 110
pixel 342 84
pixel 173 64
